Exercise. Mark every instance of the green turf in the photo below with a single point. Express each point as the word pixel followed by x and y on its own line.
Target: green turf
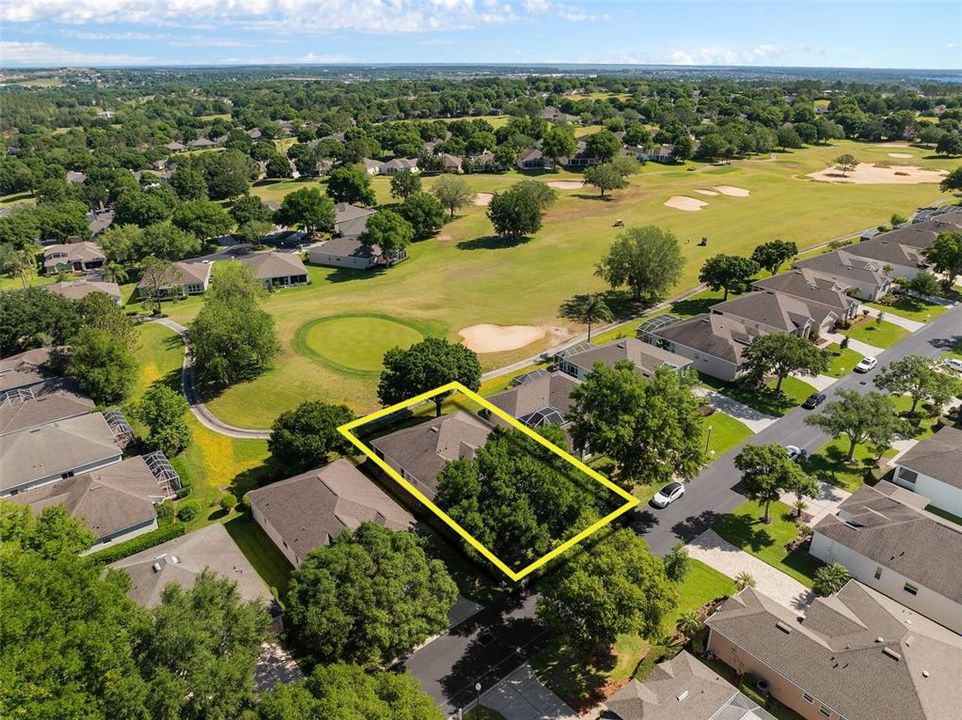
pixel 841 361
pixel 744 528
pixel 700 586
pixel 765 400
pixel 831 464
pixel 910 308
pixel 880 335
pixel 794 391
pixel 354 344
pixel 260 550
pixel 726 433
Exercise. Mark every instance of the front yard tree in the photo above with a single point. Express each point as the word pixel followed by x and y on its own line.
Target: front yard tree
pixel 102 363
pixel 232 338
pixel 602 145
pixel 423 367
pixel 945 255
pixel 404 185
pixel 917 377
pixel 367 597
pixel 166 240
pixel 861 418
pixel 351 184
pixel 307 209
pixel 559 143
pixel 118 241
pixel 773 254
pixel 189 184
pixel 307 436
pixel 605 177
pixel 388 230
pixel 646 259
pixel 616 587
pixel 952 182
pixel 537 192
pixel 767 472
pixel 677 562
pixel 424 212
pixel 846 163
pixel 156 274
pixel 163 410
pixel 727 272
pixel 248 208
pixel 587 309
pixel 652 428
pixel 453 192
pixel 782 354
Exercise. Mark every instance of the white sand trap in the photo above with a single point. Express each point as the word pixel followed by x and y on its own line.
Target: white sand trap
pixel 901 155
pixel 732 191
pixel 487 338
pixel 869 174
pixel 482 199
pixel 703 191
pixel 566 184
pixel 681 202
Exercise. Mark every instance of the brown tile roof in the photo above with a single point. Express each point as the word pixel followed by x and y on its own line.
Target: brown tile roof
pixel 647 358
pixel 24 369
pixel 885 524
pixel 183 559
pixel 858 652
pixel 939 456
pixel 718 335
pixel 309 509
pixel 46 402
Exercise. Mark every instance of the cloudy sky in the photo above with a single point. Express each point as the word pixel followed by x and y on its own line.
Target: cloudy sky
pixel 875 34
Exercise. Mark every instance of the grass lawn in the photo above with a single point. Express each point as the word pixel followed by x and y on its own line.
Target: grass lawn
pixel 726 433
pixel 700 586
pixel 262 553
pixel 881 335
pixel 831 464
pixel 794 391
pixel 764 400
pixel 462 277
pixel 841 361
pixel 743 527
pixel 910 307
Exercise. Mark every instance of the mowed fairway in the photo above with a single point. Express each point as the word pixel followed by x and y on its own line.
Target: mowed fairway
pixel 464 277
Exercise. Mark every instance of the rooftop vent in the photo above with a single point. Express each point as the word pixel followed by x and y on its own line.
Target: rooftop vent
pixel 174 559
pixel 891 653
pixel 783 627
pixel 156 567
pixel 925 673
pixel 681 696
pixel 434 428
pixel 879 639
pixel 621 345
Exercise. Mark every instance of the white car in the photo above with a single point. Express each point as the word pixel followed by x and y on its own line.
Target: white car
pixel 793 451
pixel 668 494
pixel 866 364
pixel 954 364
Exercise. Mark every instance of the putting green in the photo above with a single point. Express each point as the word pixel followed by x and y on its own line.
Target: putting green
pixel 354 344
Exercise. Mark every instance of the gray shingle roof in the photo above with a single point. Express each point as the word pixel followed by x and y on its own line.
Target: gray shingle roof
pixel 309 509
pixel 809 287
pixel 270 265
pixel 49 401
pixel 345 247
pixel 880 523
pixel 772 309
pixel 552 390
pixel 842 266
pixel 351 220
pixel 79 289
pixel 939 456
pixel 24 369
pixel 836 653
pixel 61 253
pixel 647 358
pixel 718 335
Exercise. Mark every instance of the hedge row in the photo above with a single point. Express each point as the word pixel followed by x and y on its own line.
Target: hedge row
pixel 141 542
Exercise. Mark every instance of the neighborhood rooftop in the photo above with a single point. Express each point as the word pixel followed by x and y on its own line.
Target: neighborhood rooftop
pixel 79 289
pixel 45 402
pixel 544 396
pixel 646 358
pixel 939 456
pixel 24 369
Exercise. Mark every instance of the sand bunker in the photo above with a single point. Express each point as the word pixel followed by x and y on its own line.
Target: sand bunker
pixel 732 191
pixel 703 191
pixel 681 202
pixel 482 199
pixel 498 338
pixel 901 155
pixel 566 184
pixel 869 174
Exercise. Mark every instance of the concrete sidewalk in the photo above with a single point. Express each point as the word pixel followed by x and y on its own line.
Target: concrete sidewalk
pixel 825 503
pixel 857 345
pixel 910 325
pixel 521 696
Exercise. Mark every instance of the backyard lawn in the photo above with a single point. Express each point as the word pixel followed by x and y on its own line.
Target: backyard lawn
pixel 744 528
pixel 841 360
pixel 911 308
pixel 260 550
pixel 879 334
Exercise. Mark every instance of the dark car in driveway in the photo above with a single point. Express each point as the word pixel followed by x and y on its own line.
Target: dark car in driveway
pixel 813 401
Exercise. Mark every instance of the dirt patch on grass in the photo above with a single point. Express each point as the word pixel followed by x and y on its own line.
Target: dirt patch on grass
pixel 869 174
pixel 703 191
pixel 565 184
pixel 732 191
pixel 901 155
pixel 483 199
pixel 682 202
pixel 486 338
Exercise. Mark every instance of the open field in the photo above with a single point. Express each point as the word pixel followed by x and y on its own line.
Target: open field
pixel 465 277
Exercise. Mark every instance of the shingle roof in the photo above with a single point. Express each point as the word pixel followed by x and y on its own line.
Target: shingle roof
pixel 772 309
pixel 939 456
pixel 718 335
pixel 647 358
pixel 110 500
pixel 424 449
pixel 270 265
pixel 24 369
pixel 183 559
pixel 858 652
pixel 188 273
pixel 309 509
pixel 83 251
pixel 346 247
pixel 79 289
pixel 351 220
pixel 49 401
pixel 811 288
pixel 842 265
pixel 55 448
pixel 552 390
pixel 880 523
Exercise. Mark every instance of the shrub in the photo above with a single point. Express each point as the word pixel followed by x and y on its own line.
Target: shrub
pixel 183 492
pixel 830 579
pixel 227 502
pixel 141 542
pixel 188 511
pixel 164 510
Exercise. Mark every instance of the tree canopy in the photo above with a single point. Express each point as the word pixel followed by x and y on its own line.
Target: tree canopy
pixel 390 231
pixel 453 192
pixel 424 212
pixel 307 436
pixel 351 184
pixel 919 378
pixel 163 410
pixel 767 472
pixel 782 354
pixel 727 272
pixel 307 209
pixel 861 418
pixel 424 366
pixel 646 259
pixel 773 254
pixel 102 363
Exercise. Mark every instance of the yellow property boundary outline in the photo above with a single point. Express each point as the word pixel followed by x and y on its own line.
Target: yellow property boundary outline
pixel 630 500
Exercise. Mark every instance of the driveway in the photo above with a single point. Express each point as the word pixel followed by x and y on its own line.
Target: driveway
pixel 910 325
pixel 521 696
pixel 825 503
pixel 755 420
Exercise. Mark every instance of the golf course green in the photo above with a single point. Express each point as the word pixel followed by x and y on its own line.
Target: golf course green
pixel 354 344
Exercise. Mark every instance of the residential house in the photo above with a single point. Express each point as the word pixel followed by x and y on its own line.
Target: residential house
pixel 451 163
pixel 537 398
pixel 534 159
pixel 553 114
pixel 24 369
pixel 399 165
pixel 826 299
pixel 714 343
pixel 345 252
pixel 418 453
pixel 72 257
pixel 855 655
pixel 933 469
pixel 582 158
pixel 99 220
pixel 664 154
pixel 115 502
pixel 201 143
pixel 768 311
pixel 75 178
pixel 900 250
pixel 45 402
pixel 79 289
pixel 351 220
pixel 274 269
pixel 865 279
pixel 373 167
pixel 887 541
pixel 484 162
pixel 683 688
pixel 187 278
pixel 175 146
pixel 579 360
pixel 183 559
pixel 56 450
pixel 308 510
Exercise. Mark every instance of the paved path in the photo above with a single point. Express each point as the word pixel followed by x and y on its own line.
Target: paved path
pixel 910 325
pixel 521 696
pixel 711 549
pixel 755 420
pixel 825 503
pixel 204 416
pixel 819 382
pixel 857 345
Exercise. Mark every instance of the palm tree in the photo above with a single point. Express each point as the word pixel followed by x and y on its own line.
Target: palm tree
pixel 800 507
pixel 744 580
pixel 689 623
pixel 22 263
pixel 115 272
pixel 588 309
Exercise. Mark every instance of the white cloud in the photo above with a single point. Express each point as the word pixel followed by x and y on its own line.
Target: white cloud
pixel 561 11
pixel 953 45
pixel 41 54
pixel 758 55
pixel 172 39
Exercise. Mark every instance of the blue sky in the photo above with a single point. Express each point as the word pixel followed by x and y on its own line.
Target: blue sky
pixel 176 32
